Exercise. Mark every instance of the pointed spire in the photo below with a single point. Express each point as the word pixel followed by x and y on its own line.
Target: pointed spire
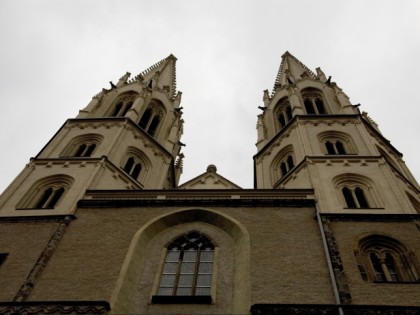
pixel 162 74
pixel 291 70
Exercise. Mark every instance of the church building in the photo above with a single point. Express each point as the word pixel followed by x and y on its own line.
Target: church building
pixel 97 222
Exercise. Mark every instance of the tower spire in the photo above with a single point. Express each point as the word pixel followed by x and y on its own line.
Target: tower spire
pixel 291 70
pixel 161 75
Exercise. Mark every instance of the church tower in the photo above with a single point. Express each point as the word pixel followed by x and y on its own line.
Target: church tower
pixel 97 223
pixel 311 136
pixel 128 137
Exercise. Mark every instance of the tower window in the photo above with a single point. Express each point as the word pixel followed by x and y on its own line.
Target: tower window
pixel 356 191
pixel 85 150
pixel 187 270
pixel 286 165
pixel 123 104
pixel 336 143
pixel 313 102
pixel 46 193
pixel 384 259
pixel 335 147
pixel 82 146
pixel 152 117
pixel 355 197
pixel 132 167
pixel 283 112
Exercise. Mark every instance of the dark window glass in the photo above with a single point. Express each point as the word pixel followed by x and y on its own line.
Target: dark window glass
pixel 308 106
pixel 340 148
pixel 349 198
pixel 330 147
pixel 145 118
pixel 361 197
pixel 320 106
pixel 56 196
pixel 129 164
pixel 379 273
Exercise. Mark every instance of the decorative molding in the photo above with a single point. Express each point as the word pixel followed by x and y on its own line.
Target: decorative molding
pixel 341 280
pixel 328 309
pixel 42 261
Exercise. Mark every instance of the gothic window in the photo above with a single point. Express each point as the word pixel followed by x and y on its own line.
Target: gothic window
pixel 283 163
pixel 313 102
pixel 123 104
pixel 356 191
pixel 283 112
pixel 187 269
pixel 135 164
pixel 336 143
pixel 152 117
pixel 132 167
pixel 82 146
pixel 355 197
pixel 46 193
pixel 384 259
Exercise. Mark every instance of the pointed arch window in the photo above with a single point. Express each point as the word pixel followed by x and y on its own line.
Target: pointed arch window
pixel 283 112
pixel 336 143
pixel 314 102
pixel 132 167
pixel 187 270
pixel 356 191
pixel 82 146
pixel 152 117
pixel 384 259
pixel 46 193
pixel 123 104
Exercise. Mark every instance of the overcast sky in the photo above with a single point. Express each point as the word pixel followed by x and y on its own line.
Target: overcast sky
pixel 56 55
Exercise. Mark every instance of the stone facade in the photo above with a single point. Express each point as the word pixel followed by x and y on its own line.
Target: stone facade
pixel 94 221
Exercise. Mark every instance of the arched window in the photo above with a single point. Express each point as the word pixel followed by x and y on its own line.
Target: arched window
pixel 135 164
pixel 152 117
pixel 356 191
pixel 82 146
pixel 46 193
pixel 283 163
pixel 283 112
pixel 355 197
pixel 313 102
pixel 384 259
pixel 123 104
pixel 188 267
pixel 132 167
pixel 336 142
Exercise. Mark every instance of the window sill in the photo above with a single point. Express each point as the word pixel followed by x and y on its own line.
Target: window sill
pixel 396 282
pixel 34 208
pixel 168 299
pixel 364 208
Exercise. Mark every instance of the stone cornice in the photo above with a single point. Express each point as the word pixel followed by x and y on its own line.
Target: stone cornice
pixel 198 197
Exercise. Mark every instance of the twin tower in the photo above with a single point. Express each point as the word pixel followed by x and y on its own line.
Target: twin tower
pixel 98 223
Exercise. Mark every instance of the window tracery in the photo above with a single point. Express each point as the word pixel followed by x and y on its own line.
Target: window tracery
pixel 82 146
pixel 384 259
pixel 152 117
pixel 314 102
pixel 356 191
pixel 46 193
pixel 123 104
pixel 283 112
pixel 188 267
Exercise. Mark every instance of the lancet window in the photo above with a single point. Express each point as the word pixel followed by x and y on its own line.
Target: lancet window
pixel 46 193
pixel 123 104
pixel 188 267
pixel 283 112
pixel 152 117
pixel 313 102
